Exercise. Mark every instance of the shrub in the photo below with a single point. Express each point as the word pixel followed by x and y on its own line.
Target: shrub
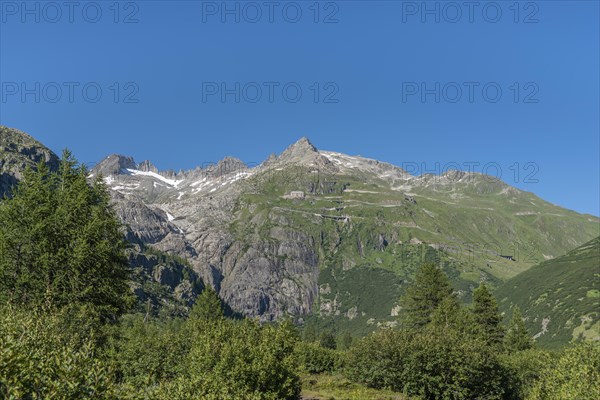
pixel 146 353
pixel 575 376
pixel 237 360
pixel 314 359
pixel 379 359
pixel 38 360
pixel 447 359
pixel 445 363
pixel 524 368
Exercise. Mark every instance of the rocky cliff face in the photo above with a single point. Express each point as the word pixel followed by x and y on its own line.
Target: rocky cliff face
pixel 162 283
pixel 17 152
pixel 191 215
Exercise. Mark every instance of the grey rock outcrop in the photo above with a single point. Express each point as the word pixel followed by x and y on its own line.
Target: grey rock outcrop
pixel 190 215
pixel 114 165
pixel 18 151
pixel 147 166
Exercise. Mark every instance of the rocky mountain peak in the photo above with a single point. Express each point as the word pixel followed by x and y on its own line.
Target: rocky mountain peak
pixel 302 150
pixel 271 159
pixel 303 145
pixel 224 167
pixel 147 166
pixel 231 164
pixel 305 142
pixel 114 164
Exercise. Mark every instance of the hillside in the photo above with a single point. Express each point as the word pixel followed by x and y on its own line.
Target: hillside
pixel 317 233
pixel 17 152
pixel 560 298
pixel 321 235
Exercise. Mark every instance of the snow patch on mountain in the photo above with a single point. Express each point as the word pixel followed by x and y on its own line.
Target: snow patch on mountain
pixel 170 182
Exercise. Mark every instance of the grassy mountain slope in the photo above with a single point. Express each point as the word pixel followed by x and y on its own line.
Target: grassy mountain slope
pixel 371 237
pixel 560 298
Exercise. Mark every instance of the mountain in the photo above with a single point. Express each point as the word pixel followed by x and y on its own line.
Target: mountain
pixel 560 298
pixel 161 281
pixel 317 235
pixel 311 232
pixel 18 151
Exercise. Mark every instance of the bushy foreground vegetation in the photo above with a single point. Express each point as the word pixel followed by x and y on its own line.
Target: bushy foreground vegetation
pixel 38 360
pixel 207 358
pixel 65 332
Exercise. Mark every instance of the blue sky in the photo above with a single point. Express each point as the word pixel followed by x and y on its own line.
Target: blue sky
pixel 498 85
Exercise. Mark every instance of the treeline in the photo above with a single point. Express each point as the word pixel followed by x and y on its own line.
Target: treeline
pixel 65 331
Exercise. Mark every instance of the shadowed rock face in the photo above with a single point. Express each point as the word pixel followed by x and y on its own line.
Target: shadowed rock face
pixel 18 151
pixel 272 277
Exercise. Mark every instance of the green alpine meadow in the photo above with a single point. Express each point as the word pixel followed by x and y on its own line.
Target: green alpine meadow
pixel 313 275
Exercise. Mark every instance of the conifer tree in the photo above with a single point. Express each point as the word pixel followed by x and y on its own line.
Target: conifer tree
pixel 422 298
pixel 448 314
pixel 208 306
pixel 517 337
pixel 62 244
pixel 486 315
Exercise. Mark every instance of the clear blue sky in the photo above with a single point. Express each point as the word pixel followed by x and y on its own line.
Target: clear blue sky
pixel 372 57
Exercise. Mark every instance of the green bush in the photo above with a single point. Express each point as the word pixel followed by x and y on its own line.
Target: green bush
pixel 38 360
pixel 237 360
pixel 447 363
pixel 524 369
pixel 379 359
pixel 315 359
pixel 574 376
pixel 146 353
pixel 446 359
